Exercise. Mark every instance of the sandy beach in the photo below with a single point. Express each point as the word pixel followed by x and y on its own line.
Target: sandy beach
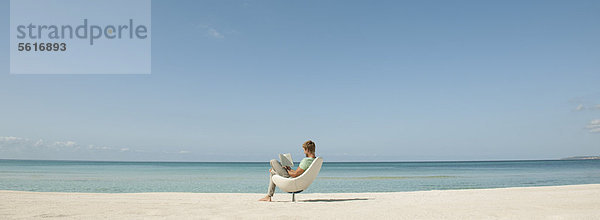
pixel 548 202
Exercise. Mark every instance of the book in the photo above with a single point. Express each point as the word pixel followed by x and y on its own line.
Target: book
pixel 286 160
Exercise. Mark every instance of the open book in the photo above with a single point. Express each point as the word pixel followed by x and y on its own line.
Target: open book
pixel 286 160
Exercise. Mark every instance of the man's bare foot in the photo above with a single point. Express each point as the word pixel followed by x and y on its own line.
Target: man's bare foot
pixel 266 199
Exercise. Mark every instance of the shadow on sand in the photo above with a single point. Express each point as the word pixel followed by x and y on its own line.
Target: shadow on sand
pixel 332 200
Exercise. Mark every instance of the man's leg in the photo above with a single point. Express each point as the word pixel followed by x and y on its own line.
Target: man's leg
pixel 277 170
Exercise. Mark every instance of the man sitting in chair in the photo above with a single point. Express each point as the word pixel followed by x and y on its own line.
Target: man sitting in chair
pixel 278 169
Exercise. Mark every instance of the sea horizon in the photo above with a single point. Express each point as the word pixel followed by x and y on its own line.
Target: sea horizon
pixel 383 161
pixel 252 177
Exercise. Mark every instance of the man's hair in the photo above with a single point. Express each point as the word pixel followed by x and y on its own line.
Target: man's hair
pixel 309 145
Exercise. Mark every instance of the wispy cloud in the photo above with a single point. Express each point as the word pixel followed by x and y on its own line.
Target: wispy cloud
pixel 582 107
pixel 21 144
pixel 28 148
pixel 214 33
pixel 96 148
pixel 62 143
pixel 594 126
pixel 11 139
pixel 588 104
pixel 211 31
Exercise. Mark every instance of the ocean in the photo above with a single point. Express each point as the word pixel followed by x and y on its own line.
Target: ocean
pixel 250 177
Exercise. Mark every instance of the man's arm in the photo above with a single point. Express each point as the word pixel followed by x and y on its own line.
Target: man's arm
pixel 295 173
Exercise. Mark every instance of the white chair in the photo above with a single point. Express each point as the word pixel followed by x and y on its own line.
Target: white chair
pixel 300 183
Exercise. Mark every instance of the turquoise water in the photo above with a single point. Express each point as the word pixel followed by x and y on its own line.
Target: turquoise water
pixel 109 177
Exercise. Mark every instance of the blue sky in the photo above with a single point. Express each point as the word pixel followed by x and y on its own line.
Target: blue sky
pixel 367 81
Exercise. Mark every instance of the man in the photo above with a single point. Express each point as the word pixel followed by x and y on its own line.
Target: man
pixel 277 169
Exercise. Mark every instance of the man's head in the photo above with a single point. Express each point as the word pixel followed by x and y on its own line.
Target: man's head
pixel 309 147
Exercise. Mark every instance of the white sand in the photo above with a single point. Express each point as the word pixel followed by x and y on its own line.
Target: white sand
pixel 552 202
